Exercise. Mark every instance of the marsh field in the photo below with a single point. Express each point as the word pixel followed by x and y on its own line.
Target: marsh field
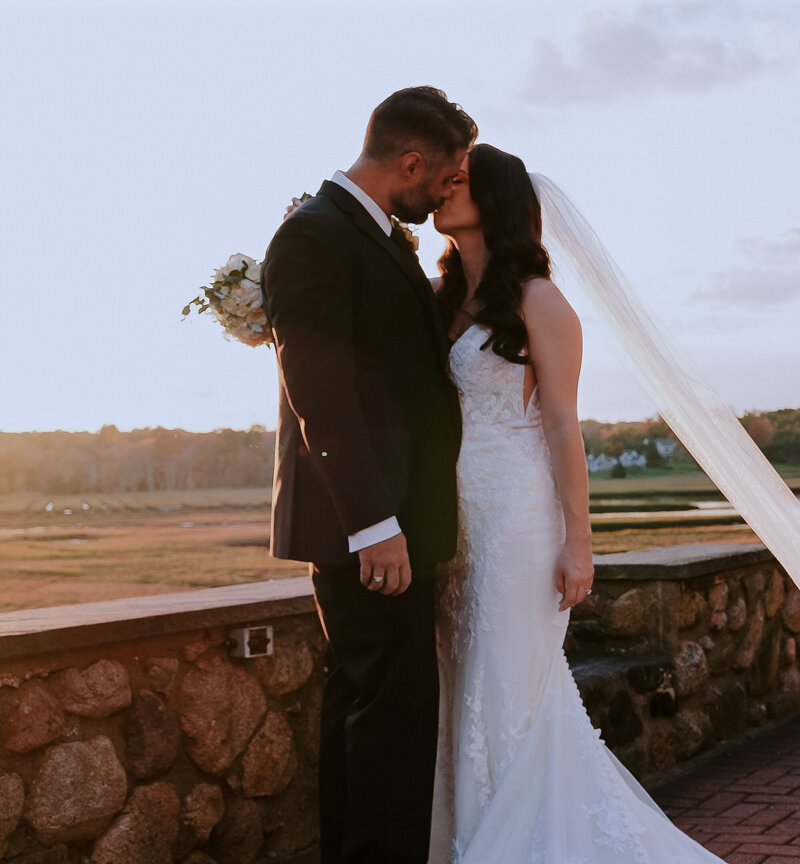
pixel 81 548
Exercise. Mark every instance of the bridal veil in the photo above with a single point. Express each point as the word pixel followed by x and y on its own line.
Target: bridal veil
pixel 705 425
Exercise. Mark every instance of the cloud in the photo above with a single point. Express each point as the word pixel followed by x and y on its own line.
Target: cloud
pixel 770 277
pixel 664 47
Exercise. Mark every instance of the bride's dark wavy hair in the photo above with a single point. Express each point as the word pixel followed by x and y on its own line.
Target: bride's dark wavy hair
pixel 511 220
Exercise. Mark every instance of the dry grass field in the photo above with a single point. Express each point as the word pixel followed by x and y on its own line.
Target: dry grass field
pixel 75 549
pixel 139 544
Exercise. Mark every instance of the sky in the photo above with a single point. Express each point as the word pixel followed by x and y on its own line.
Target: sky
pixel 145 142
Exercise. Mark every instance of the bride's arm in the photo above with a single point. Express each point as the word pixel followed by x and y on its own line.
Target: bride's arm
pixel 555 348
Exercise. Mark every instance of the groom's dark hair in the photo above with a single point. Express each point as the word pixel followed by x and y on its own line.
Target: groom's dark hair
pixel 418 118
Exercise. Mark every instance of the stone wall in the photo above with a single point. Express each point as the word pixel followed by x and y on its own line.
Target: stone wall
pixel 161 747
pixel 130 735
pixel 678 649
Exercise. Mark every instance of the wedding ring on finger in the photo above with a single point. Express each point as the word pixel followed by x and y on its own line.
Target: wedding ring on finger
pixel 588 591
pixel 378 580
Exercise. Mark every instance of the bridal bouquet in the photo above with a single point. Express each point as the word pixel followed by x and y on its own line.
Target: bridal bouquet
pixel 234 297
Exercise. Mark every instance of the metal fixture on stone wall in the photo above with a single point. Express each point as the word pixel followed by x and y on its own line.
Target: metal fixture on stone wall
pixel 251 641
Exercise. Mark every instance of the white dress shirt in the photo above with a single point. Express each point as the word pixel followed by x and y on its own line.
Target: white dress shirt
pixel 388 527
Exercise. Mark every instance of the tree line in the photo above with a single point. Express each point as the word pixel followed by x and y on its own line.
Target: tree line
pixel 776 433
pixel 150 460
pixel 144 460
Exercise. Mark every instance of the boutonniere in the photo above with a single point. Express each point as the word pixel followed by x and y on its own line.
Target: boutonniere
pixel 404 235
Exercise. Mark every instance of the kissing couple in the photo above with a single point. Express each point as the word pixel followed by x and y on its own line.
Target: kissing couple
pixel 419 419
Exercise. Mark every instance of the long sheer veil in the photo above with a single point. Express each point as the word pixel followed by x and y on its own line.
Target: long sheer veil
pixel 705 425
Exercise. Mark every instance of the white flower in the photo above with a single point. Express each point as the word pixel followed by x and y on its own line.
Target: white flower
pixel 248 293
pixel 253 271
pixel 233 306
pixel 256 318
pixel 237 262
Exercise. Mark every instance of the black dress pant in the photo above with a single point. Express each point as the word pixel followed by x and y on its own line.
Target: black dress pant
pixel 379 719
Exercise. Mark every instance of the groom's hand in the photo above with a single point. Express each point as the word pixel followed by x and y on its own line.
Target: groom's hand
pixel 385 566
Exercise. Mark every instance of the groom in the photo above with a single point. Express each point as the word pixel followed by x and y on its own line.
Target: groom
pixel 364 488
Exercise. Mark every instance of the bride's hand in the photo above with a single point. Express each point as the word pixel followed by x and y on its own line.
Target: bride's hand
pixel 296 202
pixel 574 575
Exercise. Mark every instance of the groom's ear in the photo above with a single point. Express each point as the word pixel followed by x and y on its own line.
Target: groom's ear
pixel 412 165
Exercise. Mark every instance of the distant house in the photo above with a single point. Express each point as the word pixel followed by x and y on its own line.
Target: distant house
pixel 632 459
pixel 665 446
pixel 600 463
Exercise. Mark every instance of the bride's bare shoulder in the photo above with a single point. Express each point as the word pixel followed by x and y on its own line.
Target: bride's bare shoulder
pixel 541 299
pixel 436 283
pixel 539 286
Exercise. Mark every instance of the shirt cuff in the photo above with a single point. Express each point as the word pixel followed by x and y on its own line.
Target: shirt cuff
pixel 374 534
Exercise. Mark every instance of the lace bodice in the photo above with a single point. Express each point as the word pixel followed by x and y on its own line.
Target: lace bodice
pixel 491 388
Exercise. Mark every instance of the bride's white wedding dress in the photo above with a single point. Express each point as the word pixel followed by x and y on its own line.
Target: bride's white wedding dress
pixel 523 777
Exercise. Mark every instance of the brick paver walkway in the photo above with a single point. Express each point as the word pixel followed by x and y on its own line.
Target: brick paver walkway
pixel 744 805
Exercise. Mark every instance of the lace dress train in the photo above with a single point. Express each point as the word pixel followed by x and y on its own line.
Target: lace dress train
pixel 523 777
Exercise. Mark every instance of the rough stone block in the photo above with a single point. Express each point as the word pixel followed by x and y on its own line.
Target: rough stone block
pixel 145 830
pixel 718 596
pixel 161 673
pixel 691 668
pixel 628 614
pixel 152 736
pixel 718 620
pixel 787 700
pixel 202 809
pixel 271 759
pixel 98 691
pixel 775 594
pixel 754 584
pixel 220 706
pixel 12 799
pixel 762 676
pixel 736 614
pixel 662 745
pixel 689 609
pixel 751 638
pixel 288 669
pixel 720 652
pixel 37 720
pixel 789 651
pixel 241 835
pixel 694 732
pixel 76 792
pixel 791 610
pixel 725 704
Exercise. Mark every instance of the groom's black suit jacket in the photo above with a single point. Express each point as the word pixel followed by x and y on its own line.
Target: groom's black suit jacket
pixel 369 421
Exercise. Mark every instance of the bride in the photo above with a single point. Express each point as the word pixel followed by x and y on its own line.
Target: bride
pixel 523 777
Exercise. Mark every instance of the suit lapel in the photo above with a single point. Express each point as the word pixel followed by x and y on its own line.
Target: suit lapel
pixel 407 261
